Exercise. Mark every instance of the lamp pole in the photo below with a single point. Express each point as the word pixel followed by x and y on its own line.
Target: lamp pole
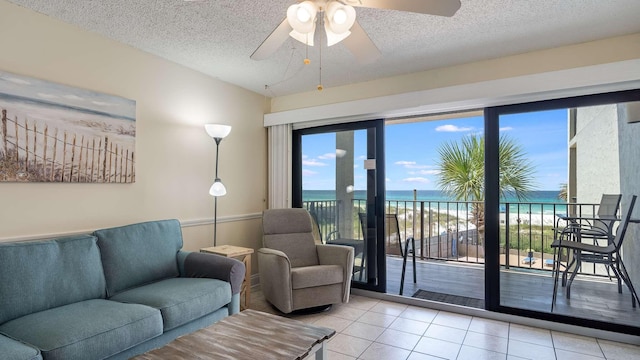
pixel 215 197
pixel 217 132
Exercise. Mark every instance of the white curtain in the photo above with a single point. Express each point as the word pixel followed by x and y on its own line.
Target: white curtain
pixel 280 166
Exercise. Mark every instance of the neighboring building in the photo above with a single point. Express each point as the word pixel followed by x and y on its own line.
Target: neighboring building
pixel 593 154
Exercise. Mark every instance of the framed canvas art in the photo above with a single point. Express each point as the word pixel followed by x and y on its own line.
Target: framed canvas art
pixel 56 133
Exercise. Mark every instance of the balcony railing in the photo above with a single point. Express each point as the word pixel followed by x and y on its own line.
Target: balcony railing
pixel 453 230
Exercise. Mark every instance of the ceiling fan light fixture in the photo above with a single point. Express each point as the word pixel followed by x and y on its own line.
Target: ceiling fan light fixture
pixel 302 17
pixel 333 38
pixel 306 39
pixel 340 17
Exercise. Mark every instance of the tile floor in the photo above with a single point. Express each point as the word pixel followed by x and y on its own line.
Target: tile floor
pixel 370 329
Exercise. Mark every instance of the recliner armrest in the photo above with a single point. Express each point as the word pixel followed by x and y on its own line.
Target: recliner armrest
pixel 335 255
pixel 275 278
pixel 338 255
pixel 203 265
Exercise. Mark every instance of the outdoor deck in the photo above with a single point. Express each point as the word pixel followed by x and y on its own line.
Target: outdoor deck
pixel 591 298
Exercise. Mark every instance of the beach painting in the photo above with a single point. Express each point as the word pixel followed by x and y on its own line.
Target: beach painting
pixel 56 133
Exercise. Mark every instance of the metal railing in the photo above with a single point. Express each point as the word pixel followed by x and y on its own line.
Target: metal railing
pixel 454 231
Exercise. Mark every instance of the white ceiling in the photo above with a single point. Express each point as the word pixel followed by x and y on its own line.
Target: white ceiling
pixel 216 37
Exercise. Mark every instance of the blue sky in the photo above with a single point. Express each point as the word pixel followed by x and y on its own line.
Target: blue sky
pixel 412 150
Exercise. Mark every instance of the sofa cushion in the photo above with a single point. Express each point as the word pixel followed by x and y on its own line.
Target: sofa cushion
pixel 139 254
pixel 311 276
pixel 180 300
pixel 92 329
pixel 39 275
pixel 15 350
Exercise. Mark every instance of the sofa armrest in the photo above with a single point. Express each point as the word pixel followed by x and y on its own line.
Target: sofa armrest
pixel 203 265
pixel 338 255
pixel 275 278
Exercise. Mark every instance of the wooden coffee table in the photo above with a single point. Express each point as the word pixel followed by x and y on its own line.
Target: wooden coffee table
pixel 248 335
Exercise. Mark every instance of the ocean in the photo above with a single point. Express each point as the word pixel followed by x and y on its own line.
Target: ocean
pixel 538 202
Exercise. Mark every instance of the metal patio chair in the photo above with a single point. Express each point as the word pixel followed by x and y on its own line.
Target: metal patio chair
pixel 608 254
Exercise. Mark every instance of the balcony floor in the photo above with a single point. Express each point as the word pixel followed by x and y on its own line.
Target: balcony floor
pixel 591 298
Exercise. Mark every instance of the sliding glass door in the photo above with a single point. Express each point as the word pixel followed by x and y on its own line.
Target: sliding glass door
pixel 573 151
pixel 338 176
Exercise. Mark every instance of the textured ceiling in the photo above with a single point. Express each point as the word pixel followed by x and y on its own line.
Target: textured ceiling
pixel 217 37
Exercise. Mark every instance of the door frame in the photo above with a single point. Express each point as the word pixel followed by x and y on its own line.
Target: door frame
pixel 492 201
pixel 375 198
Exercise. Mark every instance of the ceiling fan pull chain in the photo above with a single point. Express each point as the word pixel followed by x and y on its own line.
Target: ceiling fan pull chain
pixel 320 61
pixel 306 61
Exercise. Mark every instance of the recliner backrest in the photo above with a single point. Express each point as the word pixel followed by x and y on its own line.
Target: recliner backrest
pixel 290 231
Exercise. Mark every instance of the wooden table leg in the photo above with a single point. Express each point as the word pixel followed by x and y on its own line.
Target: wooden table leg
pixel 247 281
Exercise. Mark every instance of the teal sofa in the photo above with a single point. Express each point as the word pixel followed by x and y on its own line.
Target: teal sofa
pixel 112 294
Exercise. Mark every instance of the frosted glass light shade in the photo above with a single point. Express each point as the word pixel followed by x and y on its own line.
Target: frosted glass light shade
pixel 306 39
pixel 217 131
pixel 339 17
pixel 217 189
pixel 302 17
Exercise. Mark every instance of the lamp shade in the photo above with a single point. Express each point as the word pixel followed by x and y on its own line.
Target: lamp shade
pixel 340 17
pixel 217 189
pixel 339 20
pixel 217 131
pixel 306 39
pixel 302 17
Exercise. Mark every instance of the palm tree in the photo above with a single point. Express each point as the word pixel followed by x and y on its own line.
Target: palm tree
pixel 461 176
pixel 562 195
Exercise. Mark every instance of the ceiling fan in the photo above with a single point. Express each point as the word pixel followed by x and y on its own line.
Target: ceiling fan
pixel 338 17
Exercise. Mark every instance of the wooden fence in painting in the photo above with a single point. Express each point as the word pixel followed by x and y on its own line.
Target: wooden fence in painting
pixel 37 153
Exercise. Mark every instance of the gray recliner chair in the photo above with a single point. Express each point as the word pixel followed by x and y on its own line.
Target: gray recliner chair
pixel 295 272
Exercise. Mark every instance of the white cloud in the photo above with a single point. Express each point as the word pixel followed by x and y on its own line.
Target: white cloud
pixel 387 179
pixel 417 180
pixel 72 97
pixel 362 157
pixel 327 156
pixel 411 165
pixel 429 172
pixel 313 163
pixel 405 163
pixel 452 128
pixel 506 128
pixel 307 172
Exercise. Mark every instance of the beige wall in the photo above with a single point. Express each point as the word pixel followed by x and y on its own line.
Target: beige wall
pixel 567 57
pixel 175 157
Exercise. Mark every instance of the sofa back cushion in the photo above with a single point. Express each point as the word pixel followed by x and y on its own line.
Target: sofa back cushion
pixel 139 254
pixel 39 275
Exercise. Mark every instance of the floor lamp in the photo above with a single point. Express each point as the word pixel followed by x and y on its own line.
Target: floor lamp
pixel 217 132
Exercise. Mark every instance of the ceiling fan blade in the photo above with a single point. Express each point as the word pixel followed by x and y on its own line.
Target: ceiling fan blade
pixel 273 41
pixel 361 45
pixel 432 7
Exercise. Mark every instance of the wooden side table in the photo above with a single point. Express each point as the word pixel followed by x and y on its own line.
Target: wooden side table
pixel 243 254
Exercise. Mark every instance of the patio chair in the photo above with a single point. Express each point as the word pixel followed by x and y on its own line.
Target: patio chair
pixel 599 254
pixel 596 228
pixel 600 228
pixel 295 272
pixel 334 238
pixel 393 230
